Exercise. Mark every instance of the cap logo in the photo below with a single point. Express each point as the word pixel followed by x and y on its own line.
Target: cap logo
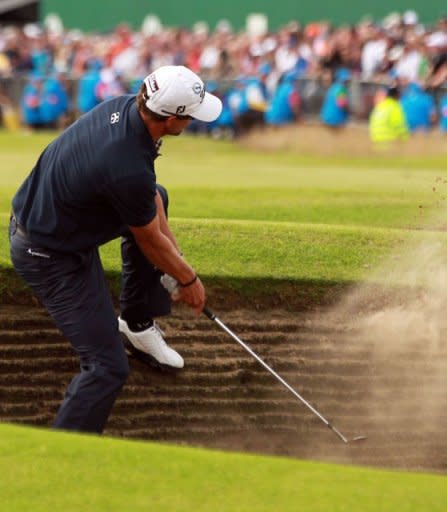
pixel 197 88
pixel 180 110
pixel 152 82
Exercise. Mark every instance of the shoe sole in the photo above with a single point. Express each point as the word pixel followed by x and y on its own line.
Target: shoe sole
pixel 147 358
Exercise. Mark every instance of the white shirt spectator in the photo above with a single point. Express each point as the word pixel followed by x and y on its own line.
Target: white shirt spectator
pixel 285 58
pixel 305 52
pixel 408 66
pixel 373 54
pixel 126 62
pixel 209 57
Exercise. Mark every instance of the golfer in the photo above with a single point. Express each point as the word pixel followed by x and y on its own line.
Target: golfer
pixel 92 184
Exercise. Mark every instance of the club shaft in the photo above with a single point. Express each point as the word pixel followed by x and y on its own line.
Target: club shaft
pixel 213 317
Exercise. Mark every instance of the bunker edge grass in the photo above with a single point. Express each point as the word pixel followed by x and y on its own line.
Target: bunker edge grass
pixel 261 222
pixel 44 470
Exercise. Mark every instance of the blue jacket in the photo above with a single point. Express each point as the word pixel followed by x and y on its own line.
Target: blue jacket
pixel 226 117
pixel 54 100
pixel 87 98
pixel 443 113
pixel 418 107
pixel 280 110
pixel 334 111
pixel 30 104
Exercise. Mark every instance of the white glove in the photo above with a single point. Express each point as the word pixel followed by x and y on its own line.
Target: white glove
pixel 169 283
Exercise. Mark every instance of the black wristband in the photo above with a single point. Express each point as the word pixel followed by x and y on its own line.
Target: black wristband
pixel 189 283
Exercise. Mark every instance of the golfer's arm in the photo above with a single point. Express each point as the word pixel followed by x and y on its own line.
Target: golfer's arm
pixel 161 252
pixel 164 226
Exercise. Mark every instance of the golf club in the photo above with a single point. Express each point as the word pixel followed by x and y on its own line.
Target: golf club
pixel 170 284
pixel 215 319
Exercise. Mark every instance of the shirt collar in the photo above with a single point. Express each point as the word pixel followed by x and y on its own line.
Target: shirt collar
pixel 141 130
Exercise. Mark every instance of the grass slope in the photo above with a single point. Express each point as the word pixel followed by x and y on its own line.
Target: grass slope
pixel 44 471
pixel 241 213
pixel 271 250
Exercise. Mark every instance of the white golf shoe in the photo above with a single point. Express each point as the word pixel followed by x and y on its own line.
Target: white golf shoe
pixel 150 347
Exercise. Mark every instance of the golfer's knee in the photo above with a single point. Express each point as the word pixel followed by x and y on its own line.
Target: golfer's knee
pixel 113 372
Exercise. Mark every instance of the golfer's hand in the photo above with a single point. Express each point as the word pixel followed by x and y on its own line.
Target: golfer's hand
pixel 192 295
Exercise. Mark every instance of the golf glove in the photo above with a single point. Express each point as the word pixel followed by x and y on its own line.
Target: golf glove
pixel 169 283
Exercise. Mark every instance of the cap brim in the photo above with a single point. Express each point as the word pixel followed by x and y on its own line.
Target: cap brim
pixel 209 110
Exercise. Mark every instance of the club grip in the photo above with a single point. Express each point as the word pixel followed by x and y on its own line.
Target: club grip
pixel 208 313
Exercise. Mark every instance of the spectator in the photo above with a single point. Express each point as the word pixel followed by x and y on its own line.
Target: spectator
pixel 343 50
pixel 335 110
pixel 224 67
pixel 224 127
pixel 248 102
pixel 287 55
pixel 284 108
pixel 110 85
pixel 419 108
pixel 121 41
pixel 31 102
pixel 53 103
pixel 437 47
pixel 374 52
pixel 40 55
pixel 410 19
pixel 87 97
pixel 399 44
pixel 209 58
pixel 409 64
pixel 443 113
pixel 9 115
pixel 5 65
pixel 387 121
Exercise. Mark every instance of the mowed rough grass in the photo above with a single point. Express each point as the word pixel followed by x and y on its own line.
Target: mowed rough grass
pixel 44 471
pixel 255 214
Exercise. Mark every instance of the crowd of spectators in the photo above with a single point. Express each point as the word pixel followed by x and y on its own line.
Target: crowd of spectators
pixel 254 70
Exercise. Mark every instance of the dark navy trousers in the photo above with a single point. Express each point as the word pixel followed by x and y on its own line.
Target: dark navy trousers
pixel 73 288
pixel 141 292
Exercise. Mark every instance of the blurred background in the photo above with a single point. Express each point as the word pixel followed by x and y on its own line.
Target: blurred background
pixel 273 64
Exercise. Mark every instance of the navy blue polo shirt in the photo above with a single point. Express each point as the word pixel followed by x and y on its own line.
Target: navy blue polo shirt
pixel 91 182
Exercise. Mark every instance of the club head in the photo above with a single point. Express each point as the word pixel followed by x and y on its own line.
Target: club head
pixel 358 438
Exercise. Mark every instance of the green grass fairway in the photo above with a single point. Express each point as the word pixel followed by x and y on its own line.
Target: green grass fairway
pixel 240 213
pixel 209 179
pixel 43 471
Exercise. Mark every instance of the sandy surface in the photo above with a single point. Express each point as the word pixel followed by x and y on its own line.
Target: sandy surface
pixel 224 399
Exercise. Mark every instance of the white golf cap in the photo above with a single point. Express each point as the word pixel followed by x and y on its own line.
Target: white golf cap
pixel 177 91
pixel 410 18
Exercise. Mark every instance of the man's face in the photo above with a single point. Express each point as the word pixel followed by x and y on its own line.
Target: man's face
pixel 176 125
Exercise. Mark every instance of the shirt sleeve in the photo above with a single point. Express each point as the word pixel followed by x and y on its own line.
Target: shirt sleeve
pixel 133 198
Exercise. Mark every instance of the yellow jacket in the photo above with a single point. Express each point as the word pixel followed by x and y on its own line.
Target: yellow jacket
pixel 387 121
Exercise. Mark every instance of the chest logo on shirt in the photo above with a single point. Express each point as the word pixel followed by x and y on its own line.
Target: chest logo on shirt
pixel 114 118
